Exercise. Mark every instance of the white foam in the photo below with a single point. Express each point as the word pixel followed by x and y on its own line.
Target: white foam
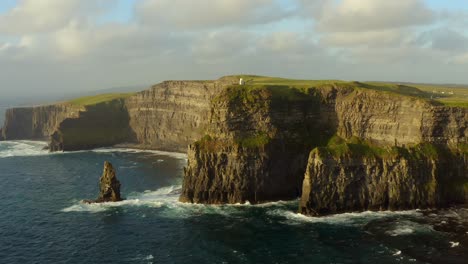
pixel 166 198
pixel 130 150
pixel 155 199
pixel 341 219
pixel 454 244
pixel 398 252
pixel 22 148
pixel 400 231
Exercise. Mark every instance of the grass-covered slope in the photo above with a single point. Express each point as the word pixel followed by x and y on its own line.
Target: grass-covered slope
pixel 455 96
pixel 96 99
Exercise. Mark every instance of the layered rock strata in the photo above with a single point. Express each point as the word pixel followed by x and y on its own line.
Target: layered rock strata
pixel 253 142
pixel 407 179
pixel 280 131
pixel 256 146
pixel 173 114
pixel 35 122
pixel 101 125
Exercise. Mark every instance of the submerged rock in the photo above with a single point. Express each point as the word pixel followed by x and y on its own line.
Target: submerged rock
pixel 109 186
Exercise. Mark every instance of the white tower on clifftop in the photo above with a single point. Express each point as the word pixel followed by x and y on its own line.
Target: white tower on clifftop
pixel 241 81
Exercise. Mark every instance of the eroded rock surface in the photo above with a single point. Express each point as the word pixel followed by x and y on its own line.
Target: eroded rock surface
pixel 346 183
pixel 109 186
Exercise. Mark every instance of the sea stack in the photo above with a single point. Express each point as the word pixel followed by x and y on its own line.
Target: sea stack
pixel 109 185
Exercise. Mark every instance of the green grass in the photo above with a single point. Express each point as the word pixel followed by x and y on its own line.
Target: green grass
pixel 96 99
pixel 355 147
pixel 212 144
pixel 454 96
pixel 258 140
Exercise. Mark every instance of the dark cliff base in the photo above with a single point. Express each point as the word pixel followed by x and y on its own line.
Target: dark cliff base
pixel 236 174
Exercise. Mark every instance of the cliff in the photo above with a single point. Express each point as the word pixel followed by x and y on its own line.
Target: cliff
pixel 35 122
pixel 259 136
pixel 391 119
pixel 100 125
pixel 356 177
pixel 253 149
pixel 172 114
pixel 275 139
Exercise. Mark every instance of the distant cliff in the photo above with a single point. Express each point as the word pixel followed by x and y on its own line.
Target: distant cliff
pixel 172 114
pixel 35 122
pixel 100 125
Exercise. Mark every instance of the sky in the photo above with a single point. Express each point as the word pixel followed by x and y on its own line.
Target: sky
pixel 63 46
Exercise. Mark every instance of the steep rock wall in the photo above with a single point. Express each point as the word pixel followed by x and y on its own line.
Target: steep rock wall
pixel 35 122
pixel 255 148
pixel 101 125
pixel 391 119
pixel 171 115
pixel 222 170
pixel 355 183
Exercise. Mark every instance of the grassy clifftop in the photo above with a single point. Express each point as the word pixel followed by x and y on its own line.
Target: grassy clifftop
pixel 97 99
pixel 455 96
pixel 357 148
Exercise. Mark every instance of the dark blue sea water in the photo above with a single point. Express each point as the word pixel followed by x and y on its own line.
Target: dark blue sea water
pixel 43 221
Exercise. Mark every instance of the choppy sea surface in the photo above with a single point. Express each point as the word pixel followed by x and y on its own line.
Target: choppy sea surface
pixel 43 221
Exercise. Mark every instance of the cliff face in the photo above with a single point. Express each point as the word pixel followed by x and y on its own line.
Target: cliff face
pixel 254 149
pixel 171 115
pixel 253 142
pixel 389 119
pixel 258 141
pixel 334 184
pixel 35 122
pixel 99 125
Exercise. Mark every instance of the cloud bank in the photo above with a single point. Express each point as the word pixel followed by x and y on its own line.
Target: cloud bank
pixel 70 45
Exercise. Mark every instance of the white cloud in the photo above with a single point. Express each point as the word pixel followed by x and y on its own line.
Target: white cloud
pixel 187 15
pixel 35 16
pixel 64 44
pixel 368 38
pixel 372 15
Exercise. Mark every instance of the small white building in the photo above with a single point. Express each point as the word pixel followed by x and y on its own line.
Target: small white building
pixel 241 81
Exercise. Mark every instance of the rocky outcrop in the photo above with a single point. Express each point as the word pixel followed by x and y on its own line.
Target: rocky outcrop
pixel 109 186
pixel 410 179
pixel 35 122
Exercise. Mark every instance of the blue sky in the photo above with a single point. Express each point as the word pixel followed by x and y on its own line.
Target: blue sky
pixel 70 45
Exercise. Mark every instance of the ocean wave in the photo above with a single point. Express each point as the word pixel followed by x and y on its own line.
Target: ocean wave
pixel 403 228
pixel 22 148
pixel 359 218
pixel 166 198
pixel 158 198
pixel 129 150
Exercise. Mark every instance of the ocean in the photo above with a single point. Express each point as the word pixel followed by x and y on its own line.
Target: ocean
pixel 43 221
